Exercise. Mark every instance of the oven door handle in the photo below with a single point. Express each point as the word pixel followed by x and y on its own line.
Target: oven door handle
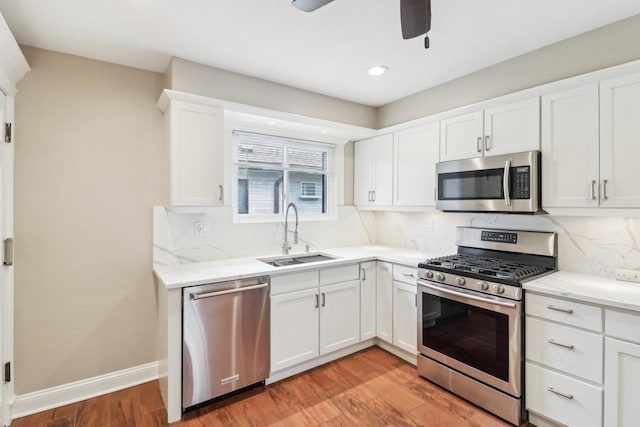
pixel 505 183
pixel 469 296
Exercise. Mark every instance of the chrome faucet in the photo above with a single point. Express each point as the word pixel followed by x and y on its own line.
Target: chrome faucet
pixel 285 243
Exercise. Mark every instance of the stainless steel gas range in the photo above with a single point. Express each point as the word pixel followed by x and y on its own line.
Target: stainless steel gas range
pixel 470 315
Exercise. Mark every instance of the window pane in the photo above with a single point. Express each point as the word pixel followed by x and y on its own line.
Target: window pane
pixel 309 192
pixel 262 191
pixel 256 153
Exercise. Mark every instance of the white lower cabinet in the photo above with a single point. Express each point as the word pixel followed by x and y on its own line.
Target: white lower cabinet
pixel 339 316
pixel 367 300
pixel 294 328
pixel 563 399
pixel 622 369
pixel 384 302
pixel 313 313
pixel 405 314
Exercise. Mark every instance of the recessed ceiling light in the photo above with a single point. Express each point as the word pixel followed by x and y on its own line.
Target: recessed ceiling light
pixel 377 70
pixel 324 131
pixel 272 123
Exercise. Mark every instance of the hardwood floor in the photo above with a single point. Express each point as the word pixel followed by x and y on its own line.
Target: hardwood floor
pixel 371 388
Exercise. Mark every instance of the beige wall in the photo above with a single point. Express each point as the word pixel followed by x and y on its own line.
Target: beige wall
pixel 90 164
pixel 604 47
pixel 190 77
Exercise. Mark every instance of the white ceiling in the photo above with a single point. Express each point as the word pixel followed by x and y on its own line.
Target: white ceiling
pixel 327 51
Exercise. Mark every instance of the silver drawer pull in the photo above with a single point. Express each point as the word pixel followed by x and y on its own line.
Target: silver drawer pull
pixel 559 393
pixel 408 274
pixel 554 342
pixel 564 310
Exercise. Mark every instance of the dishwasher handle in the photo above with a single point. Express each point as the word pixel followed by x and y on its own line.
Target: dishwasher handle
pixel 228 291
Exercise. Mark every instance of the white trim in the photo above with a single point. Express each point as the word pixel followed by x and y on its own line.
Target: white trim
pixel 54 397
pixel 14 65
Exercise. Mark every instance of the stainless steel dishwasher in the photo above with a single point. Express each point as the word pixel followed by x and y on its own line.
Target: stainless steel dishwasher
pixel 225 338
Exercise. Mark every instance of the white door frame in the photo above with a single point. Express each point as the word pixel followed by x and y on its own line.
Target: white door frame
pixel 12 69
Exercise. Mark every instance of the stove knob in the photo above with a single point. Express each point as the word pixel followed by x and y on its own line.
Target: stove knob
pixel 440 276
pixel 460 281
pixel 484 286
pixel 429 274
pixel 500 289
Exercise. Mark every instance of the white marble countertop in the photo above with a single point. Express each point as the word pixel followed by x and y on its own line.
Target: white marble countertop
pixel 587 288
pixel 198 273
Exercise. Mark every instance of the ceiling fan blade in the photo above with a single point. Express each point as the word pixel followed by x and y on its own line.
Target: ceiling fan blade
pixel 415 17
pixel 309 5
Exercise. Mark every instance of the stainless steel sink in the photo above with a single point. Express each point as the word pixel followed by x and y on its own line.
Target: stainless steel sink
pixel 297 259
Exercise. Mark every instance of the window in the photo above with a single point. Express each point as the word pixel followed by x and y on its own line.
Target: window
pixel 272 171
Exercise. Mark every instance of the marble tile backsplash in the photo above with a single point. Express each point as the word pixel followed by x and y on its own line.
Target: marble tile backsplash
pixel 591 245
pixel 174 240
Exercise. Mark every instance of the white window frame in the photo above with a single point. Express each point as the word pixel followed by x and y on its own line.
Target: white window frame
pixel 331 181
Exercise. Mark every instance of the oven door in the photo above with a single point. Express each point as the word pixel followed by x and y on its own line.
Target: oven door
pixel 505 183
pixel 476 334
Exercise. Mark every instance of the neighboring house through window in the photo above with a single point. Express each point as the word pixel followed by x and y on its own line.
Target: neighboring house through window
pixel 272 171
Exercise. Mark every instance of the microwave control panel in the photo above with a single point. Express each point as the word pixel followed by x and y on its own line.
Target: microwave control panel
pixel 520 182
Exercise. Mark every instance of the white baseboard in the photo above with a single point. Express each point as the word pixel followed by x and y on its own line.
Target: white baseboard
pixel 37 401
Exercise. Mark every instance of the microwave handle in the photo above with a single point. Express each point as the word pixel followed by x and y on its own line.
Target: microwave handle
pixel 505 182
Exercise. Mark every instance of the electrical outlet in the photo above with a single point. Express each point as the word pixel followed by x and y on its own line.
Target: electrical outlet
pixel 428 225
pixel 201 228
pixel 628 275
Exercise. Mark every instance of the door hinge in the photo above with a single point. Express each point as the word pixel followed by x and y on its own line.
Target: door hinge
pixel 7 372
pixel 8 251
pixel 7 132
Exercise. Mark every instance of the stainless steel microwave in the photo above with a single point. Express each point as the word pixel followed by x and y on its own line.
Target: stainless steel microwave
pixel 504 183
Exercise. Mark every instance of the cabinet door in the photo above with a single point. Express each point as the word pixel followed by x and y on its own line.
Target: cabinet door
pixel 367 300
pixel 512 128
pixel 461 137
pixel 339 316
pixel 294 328
pixel 415 158
pixel 197 154
pixel 405 317
pixel 622 388
pixel 570 144
pixel 384 302
pixel 619 142
pixel 364 172
pixel 383 190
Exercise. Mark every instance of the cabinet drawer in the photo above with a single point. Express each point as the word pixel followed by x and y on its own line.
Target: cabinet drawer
pixel 622 325
pixel 564 311
pixel 405 274
pixel 294 282
pixel 345 273
pixel 581 404
pixel 567 349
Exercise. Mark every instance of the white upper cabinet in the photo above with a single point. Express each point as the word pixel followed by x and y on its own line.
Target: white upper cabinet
pixel 415 158
pixel 373 171
pixel 620 141
pixel 570 144
pixel 510 128
pixel 196 141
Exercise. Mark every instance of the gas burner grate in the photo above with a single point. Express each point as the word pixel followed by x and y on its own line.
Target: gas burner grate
pixel 487 266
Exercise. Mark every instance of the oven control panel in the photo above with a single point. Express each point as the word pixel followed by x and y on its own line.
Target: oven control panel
pixel 499 236
pixel 483 286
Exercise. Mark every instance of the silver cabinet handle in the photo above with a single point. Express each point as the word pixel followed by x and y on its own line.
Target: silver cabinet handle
pixel 486 143
pixel 368 196
pixel 317 301
pixel 565 395
pixel 564 310
pixel 604 189
pixel 221 192
pixel 364 274
pixel 593 189
pixel 374 195
pixel 505 182
pixel 479 144
pixel 408 274
pixel 324 299
pixel 228 291
pixel 554 342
